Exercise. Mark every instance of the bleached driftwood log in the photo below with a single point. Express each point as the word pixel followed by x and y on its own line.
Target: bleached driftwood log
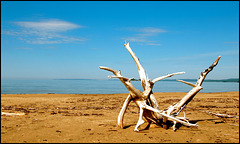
pixel 140 98
pixel 145 100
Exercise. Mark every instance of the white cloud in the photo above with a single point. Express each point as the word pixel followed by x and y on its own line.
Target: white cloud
pixel 48 25
pixel 145 30
pixel 45 32
pixel 143 34
pixel 151 30
pixel 153 44
pixel 135 39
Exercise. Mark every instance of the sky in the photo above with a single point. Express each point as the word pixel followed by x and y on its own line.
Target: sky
pixel 71 39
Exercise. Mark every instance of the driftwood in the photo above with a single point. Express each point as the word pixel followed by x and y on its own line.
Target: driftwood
pixel 176 108
pixel 221 115
pixel 12 114
pixel 146 100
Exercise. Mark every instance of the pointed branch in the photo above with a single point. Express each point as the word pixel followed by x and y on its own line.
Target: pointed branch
pixel 140 68
pixel 120 77
pixel 145 82
pixel 188 83
pixel 125 81
pixel 204 74
pixel 213 65
pixel 196 88
pixel 111 70
pixel 168 75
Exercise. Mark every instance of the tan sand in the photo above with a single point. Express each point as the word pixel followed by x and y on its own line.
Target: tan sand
pixel 92 118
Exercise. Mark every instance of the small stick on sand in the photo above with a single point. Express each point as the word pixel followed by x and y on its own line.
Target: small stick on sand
pixel 221 115
pixel 12 114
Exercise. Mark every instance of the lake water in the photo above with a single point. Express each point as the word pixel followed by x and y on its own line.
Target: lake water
pixel 110 86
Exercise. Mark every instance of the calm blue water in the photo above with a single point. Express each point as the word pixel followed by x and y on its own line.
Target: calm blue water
pixel 110 86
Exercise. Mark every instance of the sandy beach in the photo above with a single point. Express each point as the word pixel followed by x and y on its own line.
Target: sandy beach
pixel 92 118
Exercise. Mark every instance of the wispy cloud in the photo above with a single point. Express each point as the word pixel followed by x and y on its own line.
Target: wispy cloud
pixel 150 31
pixel 234 42
pixel 136 39
pixel 48 25
pixel 25 48
pixel 45 31
pixel 143 35
pixel 154 44
pixel 233 52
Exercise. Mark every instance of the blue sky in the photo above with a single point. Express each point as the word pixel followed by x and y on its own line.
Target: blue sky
pixel 71 39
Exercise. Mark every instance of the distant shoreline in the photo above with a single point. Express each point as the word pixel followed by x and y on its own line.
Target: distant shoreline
pixel 72 94
pixel 192 80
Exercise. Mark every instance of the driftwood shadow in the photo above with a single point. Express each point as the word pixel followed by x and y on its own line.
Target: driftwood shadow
pixel 125 127
pixel 178 125
pixel 169 124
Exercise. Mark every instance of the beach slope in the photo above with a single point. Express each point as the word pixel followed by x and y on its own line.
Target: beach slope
pixel 92 118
